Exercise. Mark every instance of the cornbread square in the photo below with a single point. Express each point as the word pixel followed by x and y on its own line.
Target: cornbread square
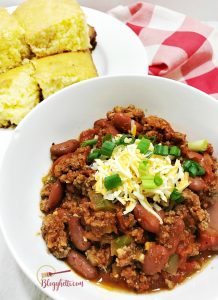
pixel 58 71
pixel 13 47
pixel 53 26
pixel 19 93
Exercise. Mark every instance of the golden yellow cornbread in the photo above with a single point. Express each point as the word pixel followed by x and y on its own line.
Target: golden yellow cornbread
pixel 53 26
pixel 13 47
pixel 19 93
pixel 58 71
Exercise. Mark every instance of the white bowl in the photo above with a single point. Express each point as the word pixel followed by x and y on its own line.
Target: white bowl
pixel 64 116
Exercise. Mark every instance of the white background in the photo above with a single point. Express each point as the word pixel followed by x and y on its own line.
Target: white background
pixel 13 283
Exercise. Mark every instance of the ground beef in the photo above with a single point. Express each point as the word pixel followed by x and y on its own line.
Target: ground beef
pixel 44 196
pixel 138 235
pixel 75 161
pixel 128 254
pixel 100 257
pixel 53 232
pixel 193 203
pixel 101 223
pixel 125 222
pixel 183 211
pixel 130 111
pixel 161 129
pixel 171 231
pixel 134 279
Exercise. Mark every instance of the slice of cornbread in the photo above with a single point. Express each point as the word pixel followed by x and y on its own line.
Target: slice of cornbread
pixel 58 71
pixel 53 26
pixel 13 47
pixel 19 93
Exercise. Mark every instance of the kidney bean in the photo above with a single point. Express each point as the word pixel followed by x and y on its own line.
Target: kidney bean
pixel 161 213
pixel 176 230
pixel 64 148
pixel 194 156
pixel 87 135
pixel 207 163
pixel 148 221
pixel 80 264
pixel 208 240
pixel 123 123
pixel 213 213
pixel 188 266
pixel 107 126
pixel 55 195
pixel 197 184
pixel 139 127
pixel 155 259
pixel 110 129
pixel 76 233
pixel 101 123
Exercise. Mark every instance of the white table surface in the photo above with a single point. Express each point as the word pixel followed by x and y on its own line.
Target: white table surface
pixel 14 285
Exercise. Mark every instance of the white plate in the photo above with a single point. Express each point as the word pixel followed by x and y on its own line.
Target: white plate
pixel 118 51
pixel 64 116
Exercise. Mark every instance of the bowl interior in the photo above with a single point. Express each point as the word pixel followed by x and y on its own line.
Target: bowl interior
pixel 64 116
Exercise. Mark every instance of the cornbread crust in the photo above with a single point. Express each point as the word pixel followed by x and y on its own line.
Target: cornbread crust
pixel 47 33
pixel 13 47
pixel 58 71
pixel 19 93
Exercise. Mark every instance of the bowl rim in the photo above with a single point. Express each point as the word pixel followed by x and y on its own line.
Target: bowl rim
pixel 56 97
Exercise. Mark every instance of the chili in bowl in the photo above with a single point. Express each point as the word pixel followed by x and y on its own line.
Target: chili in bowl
pixel 125 196
pixel 131 202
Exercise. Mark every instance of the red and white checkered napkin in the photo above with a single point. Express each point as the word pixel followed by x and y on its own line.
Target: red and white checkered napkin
pixel 179 47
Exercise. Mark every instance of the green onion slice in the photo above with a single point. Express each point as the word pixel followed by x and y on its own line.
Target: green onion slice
pixel 193 171
pixel 143 168
pixel 112 182
pixel 176 196
pixel 187 164
pixel 165 150
pixel 107 137
pixel 175 151
pixel 194 168
pixel 122 141
pixel 107 148
pixel 151 138
pixel 96 153
pixel 89 143
pixel 161 150
pixel 148 182
pixel 200 145
pixel 158 180
pixel 201 171
pixel 143 145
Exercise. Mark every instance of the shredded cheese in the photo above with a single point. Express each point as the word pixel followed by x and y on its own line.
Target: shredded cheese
pixel 125 161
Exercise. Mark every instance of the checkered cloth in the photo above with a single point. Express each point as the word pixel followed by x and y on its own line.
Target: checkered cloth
pixel 179 47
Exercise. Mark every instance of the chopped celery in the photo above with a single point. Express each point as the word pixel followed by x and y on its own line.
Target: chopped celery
pixel 99 203
pixel 120 242
pixel 173 264
pixel 200 145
